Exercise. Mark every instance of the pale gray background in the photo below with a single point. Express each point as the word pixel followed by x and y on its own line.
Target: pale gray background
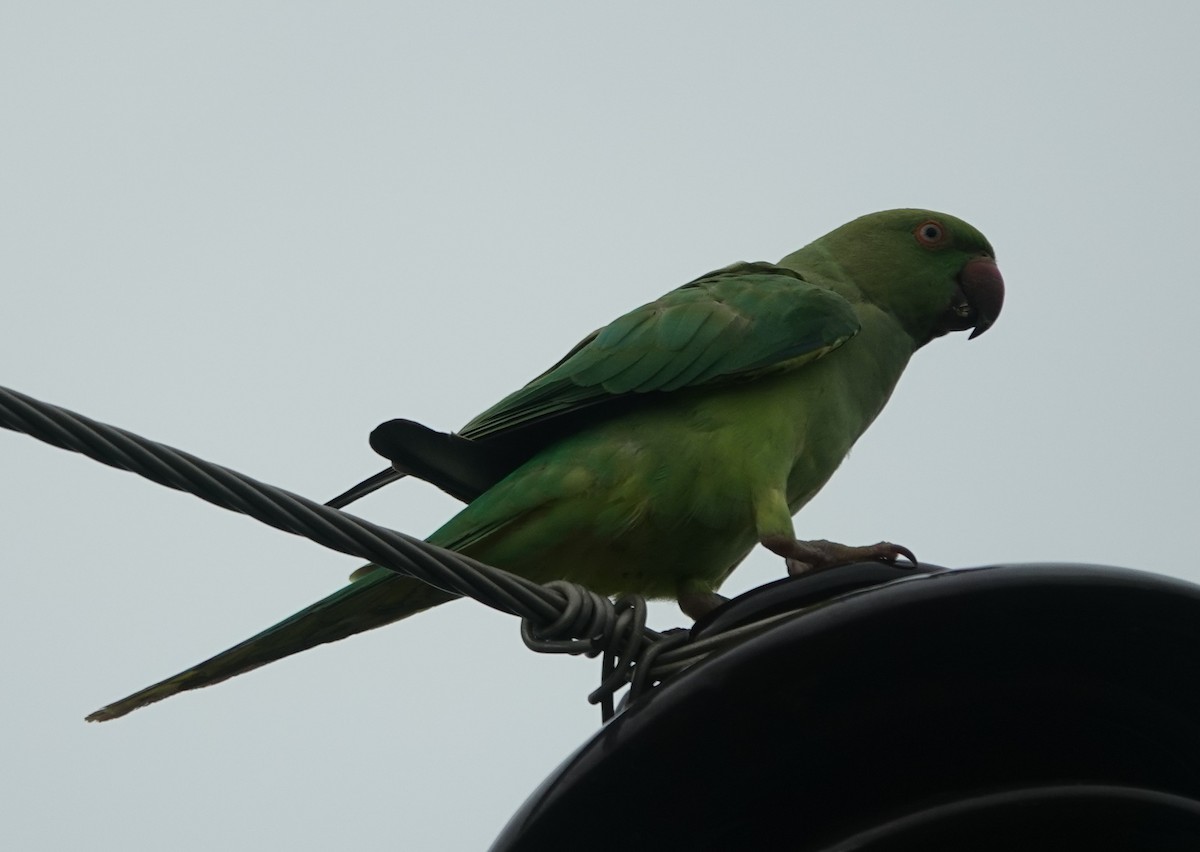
pixel 255 230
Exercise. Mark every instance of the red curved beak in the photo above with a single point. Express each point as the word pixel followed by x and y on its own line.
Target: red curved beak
pixel 983 288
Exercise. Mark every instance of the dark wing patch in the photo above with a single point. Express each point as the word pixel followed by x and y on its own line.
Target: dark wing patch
pixel 730 325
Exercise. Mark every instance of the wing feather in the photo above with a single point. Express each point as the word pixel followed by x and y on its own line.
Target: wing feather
pixel 729 325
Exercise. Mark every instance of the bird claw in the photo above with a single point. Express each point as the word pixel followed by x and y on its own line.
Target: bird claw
pixel 811 557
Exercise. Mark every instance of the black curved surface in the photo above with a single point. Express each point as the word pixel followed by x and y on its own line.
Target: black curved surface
pixel 890 701
pixel 1054 819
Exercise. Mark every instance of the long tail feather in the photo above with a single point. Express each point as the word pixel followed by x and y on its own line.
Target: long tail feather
pixel 379 598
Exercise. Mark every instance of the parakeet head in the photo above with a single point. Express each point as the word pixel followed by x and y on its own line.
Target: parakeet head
pixel 932 271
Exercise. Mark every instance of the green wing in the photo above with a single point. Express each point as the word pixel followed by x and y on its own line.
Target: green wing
pixel 732 324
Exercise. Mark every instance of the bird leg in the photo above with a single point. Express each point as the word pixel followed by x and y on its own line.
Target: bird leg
pixel 698 600
pixel 810 557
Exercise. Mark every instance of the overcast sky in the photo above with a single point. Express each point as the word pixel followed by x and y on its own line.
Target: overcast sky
pixel 256 230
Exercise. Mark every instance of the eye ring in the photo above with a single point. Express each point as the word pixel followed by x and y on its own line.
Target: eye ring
pixel 931 233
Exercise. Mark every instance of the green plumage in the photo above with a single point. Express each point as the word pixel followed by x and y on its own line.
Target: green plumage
pixel 669 442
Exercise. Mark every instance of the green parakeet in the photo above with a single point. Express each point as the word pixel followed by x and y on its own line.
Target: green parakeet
pixel 664 446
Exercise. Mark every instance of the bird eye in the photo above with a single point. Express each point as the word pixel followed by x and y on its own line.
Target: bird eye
pixel 930 233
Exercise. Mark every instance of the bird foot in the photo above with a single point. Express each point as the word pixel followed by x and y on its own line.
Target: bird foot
pixel 811 557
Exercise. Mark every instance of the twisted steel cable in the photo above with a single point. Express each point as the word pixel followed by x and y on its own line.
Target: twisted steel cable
pixel 559 617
